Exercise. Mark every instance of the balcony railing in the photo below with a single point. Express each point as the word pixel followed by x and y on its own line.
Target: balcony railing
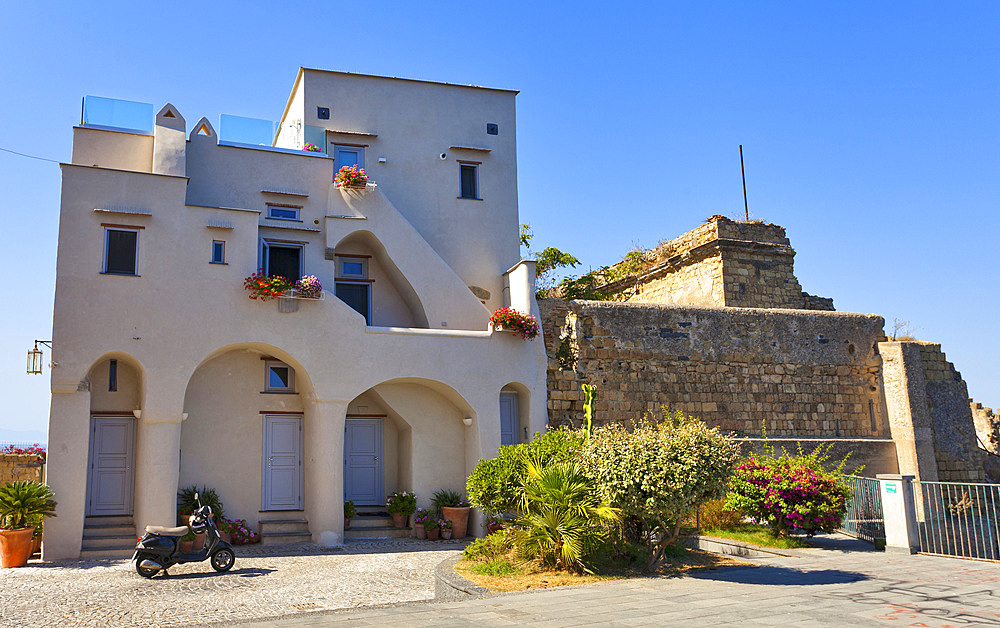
pixel 112 113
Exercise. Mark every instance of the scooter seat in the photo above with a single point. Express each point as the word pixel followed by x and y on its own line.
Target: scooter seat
pixel 162 531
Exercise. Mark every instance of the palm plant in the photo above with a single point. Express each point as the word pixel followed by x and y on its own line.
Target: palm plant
pixel 563 519
pixel 24 502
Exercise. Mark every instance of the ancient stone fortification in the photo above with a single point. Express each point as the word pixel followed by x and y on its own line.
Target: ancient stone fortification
pixel 19 467
pixel 724 263
pixel 801 373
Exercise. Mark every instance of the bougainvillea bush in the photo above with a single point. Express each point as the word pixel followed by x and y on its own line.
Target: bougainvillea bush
pixel 791 494
pixel 34 450
pixel 262 287
pixel 523 325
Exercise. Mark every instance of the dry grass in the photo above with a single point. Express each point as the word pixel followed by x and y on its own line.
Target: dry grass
pixel 530 576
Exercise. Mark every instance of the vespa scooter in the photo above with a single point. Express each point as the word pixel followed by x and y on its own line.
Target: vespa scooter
pixel 160 548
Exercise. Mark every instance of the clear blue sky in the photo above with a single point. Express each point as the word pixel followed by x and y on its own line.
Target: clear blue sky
pixel 870 131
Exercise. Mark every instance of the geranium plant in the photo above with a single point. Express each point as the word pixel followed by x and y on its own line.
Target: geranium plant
pixel 523 325
pixel 239 531
pixel 309 287
pixel 312 148
pixel 264 287
pixel 421 516
pixel 350 175
pixel 401 502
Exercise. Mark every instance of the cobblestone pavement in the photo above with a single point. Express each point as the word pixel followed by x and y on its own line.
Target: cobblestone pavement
pixel 841 584
pixel 265 582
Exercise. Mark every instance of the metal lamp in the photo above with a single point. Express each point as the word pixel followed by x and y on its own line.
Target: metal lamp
pixel 35 358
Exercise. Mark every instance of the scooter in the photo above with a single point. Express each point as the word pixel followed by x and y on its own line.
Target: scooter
pixel 160 547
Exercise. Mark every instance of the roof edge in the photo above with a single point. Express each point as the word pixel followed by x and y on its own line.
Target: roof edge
pixel 303 69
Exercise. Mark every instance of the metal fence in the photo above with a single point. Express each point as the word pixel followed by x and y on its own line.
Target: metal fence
pixel 958 519
pixel 864 518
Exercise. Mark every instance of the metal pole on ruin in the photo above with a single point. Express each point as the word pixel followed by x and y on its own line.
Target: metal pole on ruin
pixel 746 208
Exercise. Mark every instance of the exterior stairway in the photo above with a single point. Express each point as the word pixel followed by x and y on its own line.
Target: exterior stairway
pixel 374 524
pixel 287 527
pixel 108 537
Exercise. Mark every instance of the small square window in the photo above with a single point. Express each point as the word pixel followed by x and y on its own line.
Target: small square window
pixel 469 180
pixel 323 113
pixel 283 212
pixel 120 251
pixel 218 251
pixel 492 129
pixel 279 377
pixel 353 268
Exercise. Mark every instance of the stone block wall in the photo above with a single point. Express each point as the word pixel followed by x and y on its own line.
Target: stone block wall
pixel 19 467
pixel 987 424
pixel 725 263
pixel 802 373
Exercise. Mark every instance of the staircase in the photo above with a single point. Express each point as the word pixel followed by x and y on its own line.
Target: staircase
pixel 287 527
pixel 108 537
pixel 374 523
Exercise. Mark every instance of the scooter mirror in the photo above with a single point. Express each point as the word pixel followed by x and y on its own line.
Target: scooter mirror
pixel 196 497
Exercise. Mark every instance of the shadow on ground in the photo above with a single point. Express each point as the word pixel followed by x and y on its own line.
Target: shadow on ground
pixel 785 576
pixel 249 572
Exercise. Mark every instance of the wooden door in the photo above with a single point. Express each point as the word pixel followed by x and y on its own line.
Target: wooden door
pixel 508 418
pixel 282 476
pixel 112 462
pixel 364 477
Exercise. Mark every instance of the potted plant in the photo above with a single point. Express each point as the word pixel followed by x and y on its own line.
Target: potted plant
pixel 446 528
pixel 241 534
pixel 260 286
pixel 400 505
pixel 351 177
pixel 186 505
pixel 523 325
pixel 455 508
pixel 311 148
pixel 349 511
pixel 431 526
pixel 493 523
pixel 419 518
pixel 309 287
pixel 225 527
pixel 20 503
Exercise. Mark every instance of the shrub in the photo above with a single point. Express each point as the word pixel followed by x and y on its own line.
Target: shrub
pixel 350 509
pixel 186 504
pixel 495 485
pixel 790 493
pixel 658 472
pixel 715 515
pixel 34 449
pixel 492 547
pixel 24 502
pixel 564 520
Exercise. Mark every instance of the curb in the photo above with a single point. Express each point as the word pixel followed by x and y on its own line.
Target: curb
pixel 730 547
pixel 451 587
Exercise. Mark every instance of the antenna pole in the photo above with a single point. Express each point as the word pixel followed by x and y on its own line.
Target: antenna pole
pixel 746 208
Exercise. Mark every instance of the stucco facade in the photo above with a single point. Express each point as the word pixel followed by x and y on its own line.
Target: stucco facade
pixel 178 349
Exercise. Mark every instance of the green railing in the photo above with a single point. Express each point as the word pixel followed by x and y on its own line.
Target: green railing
pixel 864 518
pixel 959 519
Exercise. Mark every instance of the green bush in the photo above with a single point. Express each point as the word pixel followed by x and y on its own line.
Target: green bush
pixel 656 473
pixel 492 547
pixel 22 503
pixel 186 504
pixel 496 484
pixel 564 520
pixel 714 515
pixel 790 493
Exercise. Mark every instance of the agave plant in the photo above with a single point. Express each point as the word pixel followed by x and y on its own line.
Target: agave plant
pixel 24 502
pixel 563 517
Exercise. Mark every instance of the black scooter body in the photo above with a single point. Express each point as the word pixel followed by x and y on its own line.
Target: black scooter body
pixel 155 551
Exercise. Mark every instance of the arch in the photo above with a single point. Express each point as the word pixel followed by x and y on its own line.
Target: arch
pixel 131 376
pixel 301 374
pixel 402 286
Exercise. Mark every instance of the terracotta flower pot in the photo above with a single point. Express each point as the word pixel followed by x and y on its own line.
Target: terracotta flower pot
pixel 199 542
pixel 446 533
pixel 399 519
pixel 459 518
pixel 432 535
pixel 226 536
pixel 421 532
pixel 187 546
pixel 15 547
pixel 36 544
pixel 494 527
pixel 347 523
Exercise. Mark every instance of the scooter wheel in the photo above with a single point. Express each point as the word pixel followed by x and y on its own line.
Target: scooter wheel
pixel 145 572
pixel 223 559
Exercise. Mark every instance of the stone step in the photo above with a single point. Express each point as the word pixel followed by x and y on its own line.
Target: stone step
pixel 124 520
pixel 377 533
pixel 299 526
pixel 97 542
pixel 280 515
pixel 108 530
pixel 359 521
pixel 284 538
pixel 108 552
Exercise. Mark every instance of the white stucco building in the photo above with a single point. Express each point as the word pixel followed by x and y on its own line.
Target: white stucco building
pixel 166 374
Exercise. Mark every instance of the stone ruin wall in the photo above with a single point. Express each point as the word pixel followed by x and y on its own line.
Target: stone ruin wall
pixel 19 467
pixel 724 263
pixel 987 424
pixel 806 374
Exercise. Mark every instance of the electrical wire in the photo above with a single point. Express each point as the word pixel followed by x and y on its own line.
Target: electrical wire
pixel 7 150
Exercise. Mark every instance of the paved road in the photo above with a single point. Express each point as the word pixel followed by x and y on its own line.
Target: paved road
pixel 837 585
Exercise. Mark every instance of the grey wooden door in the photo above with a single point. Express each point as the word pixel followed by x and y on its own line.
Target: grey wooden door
pixel 508 418
pixel 364 478
pixel 112 462
pixel 282 463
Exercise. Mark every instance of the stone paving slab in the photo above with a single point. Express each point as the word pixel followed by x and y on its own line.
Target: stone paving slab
pixel 265 582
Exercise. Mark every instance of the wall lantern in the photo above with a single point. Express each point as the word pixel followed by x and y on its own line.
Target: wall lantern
pixel 467 421
pixel 35 357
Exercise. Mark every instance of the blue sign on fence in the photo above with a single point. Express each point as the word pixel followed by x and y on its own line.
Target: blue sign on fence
pixel 890 487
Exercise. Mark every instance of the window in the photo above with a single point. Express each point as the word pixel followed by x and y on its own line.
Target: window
pixel 352 267
pixel 120 251
pixel 283 259
pixel 470 180
pixel 278 377
pixel 348 156
pixel 283 212
pixel 218 251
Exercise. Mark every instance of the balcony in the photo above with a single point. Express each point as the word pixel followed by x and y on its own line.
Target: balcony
pixel 117 115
